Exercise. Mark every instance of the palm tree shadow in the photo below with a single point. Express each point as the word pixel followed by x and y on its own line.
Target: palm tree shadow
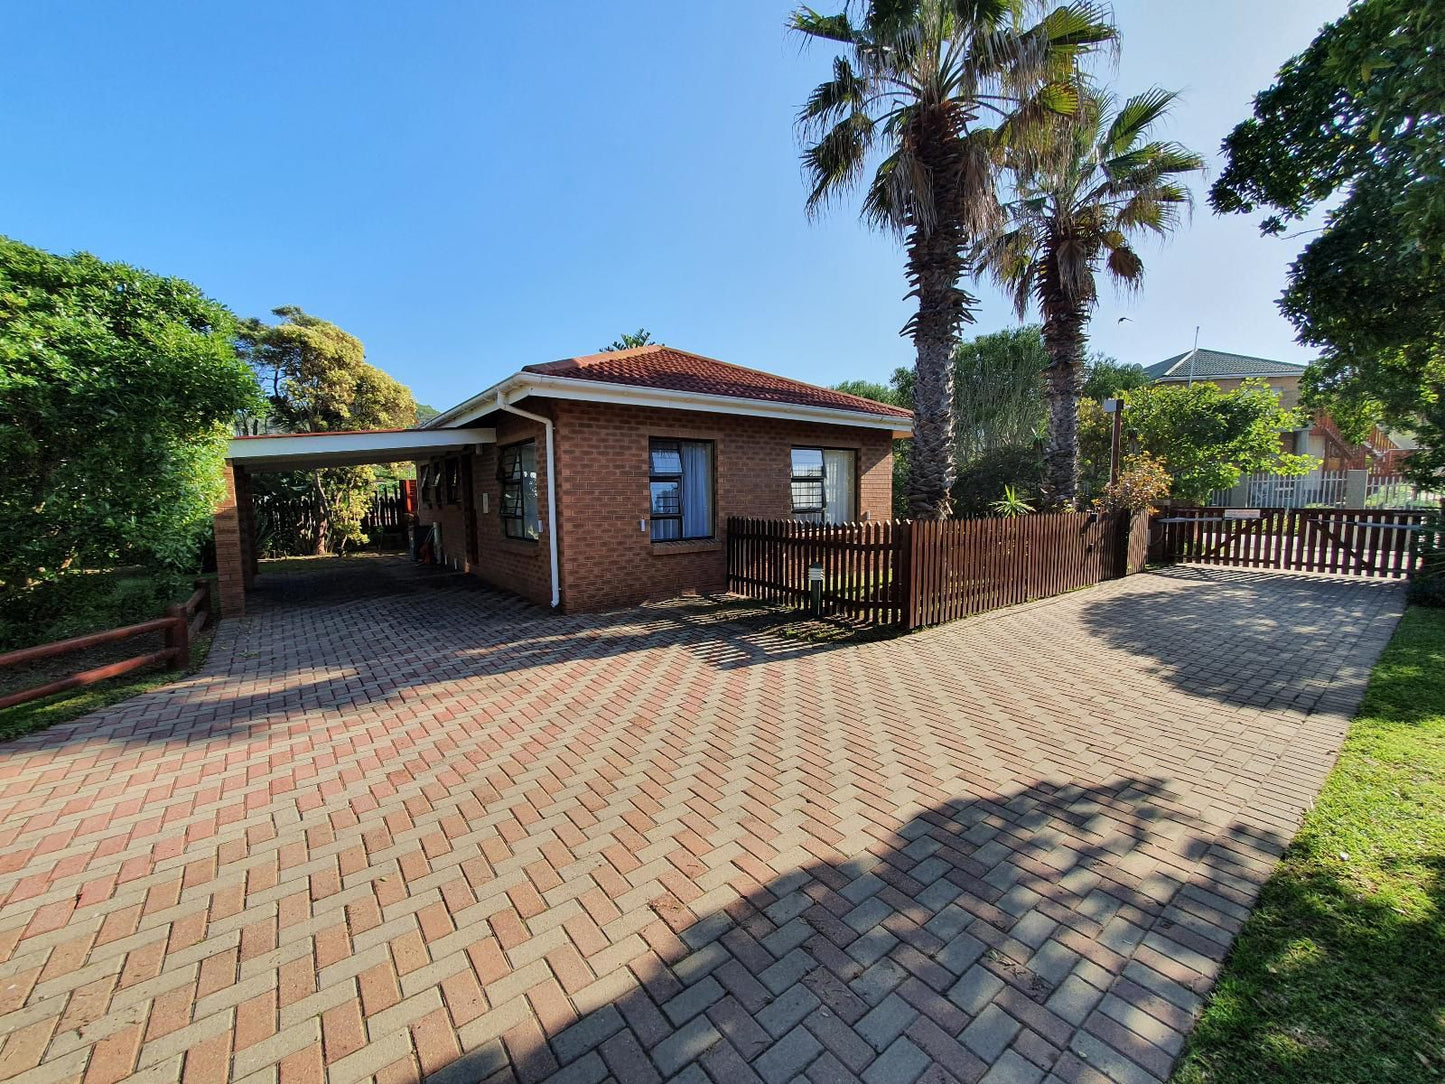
pixel 1053 928
pixel 1280 638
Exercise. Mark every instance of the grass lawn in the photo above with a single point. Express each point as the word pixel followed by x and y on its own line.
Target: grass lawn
pixel 1339 975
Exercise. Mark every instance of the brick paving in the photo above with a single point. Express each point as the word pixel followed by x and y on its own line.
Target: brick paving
pixel 404 827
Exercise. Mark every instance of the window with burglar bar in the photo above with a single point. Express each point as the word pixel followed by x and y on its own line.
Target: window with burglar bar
pixel 680 477
pixel 824 485
pixel 517 471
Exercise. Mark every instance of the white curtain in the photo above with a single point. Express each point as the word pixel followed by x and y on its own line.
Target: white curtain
pixel 838 486
pixel 696 490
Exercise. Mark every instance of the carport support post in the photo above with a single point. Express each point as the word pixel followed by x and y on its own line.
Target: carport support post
pixel 230 553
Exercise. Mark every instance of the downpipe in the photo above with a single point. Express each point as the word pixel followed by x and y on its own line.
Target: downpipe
pixel 502 404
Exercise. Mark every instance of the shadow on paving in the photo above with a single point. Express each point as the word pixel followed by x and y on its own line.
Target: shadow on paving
pixel 382 629
pixel 1273 637
pixel 1053 929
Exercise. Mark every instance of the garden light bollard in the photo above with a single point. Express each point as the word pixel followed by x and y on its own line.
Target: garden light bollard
pixel 815 589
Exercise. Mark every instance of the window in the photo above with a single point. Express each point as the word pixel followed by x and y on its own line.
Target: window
pixel 681 480
pixel 824 484
pixel 452 475
pixel 427 484
pixel 517 471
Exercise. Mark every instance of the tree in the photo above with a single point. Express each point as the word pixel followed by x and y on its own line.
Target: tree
pixel 1105 378
pixel 1360 114
pixel 869 389
pixel 640 337
pixel 1078 205
pixel 115 389
pixel 316 380
pixel 935 87
pixel 1207 438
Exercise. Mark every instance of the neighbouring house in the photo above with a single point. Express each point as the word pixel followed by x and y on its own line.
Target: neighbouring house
pixel 603 481
pixel 1381 452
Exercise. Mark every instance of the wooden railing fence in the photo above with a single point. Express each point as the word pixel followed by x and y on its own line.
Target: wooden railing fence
pixel 920 573
pixel 1344 541
pixel 181 622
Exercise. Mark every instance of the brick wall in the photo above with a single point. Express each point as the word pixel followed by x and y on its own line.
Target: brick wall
pixel 516 565
pixel 608 558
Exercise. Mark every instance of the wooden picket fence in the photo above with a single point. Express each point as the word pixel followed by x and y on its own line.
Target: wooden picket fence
pixel 1344 541
pixel 863 565
pixel 912 574
pixel 287 523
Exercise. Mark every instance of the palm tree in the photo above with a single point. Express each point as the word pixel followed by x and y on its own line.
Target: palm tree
pixel 934 87
pixel 1079 201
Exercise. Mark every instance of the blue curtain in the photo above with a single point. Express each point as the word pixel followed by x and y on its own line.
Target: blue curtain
pixel 696 490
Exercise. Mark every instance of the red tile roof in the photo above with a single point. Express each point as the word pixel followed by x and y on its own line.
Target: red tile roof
pixel 677 370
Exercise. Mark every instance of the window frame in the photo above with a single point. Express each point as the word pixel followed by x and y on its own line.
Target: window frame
pixel 451 475
pixel 519 518
pixel 822 479
pixel 670 476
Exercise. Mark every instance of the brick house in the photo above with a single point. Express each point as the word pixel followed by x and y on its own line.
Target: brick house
pixel 607 480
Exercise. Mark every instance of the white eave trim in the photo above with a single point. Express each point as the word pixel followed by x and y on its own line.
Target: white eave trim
pixel 401 445
pixel 597 391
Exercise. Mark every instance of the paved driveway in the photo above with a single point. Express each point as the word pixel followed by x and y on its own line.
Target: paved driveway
pixel 438 832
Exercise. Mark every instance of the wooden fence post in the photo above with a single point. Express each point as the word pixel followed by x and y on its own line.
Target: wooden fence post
pixel 178 637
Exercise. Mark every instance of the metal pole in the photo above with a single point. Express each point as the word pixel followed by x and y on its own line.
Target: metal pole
pixel 1118 440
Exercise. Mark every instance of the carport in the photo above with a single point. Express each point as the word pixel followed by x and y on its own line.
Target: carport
pixel 236 563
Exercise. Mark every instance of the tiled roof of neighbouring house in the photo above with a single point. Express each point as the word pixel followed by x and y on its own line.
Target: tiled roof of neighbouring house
pixel 677 370
pixel 1213 364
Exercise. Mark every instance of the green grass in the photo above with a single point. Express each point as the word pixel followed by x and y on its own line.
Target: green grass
pixel 1339 975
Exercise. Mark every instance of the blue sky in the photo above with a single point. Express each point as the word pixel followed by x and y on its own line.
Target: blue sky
pixel 472 187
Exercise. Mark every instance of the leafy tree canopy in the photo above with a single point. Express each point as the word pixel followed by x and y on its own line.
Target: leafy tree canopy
pixel 640 337
pixel 115 389
pixel 1207 438
pixel 316 379
pixel 869 389
pixel 1105 378
pixel 1361 113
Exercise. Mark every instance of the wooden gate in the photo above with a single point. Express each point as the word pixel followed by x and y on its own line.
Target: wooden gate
pixel 1344 541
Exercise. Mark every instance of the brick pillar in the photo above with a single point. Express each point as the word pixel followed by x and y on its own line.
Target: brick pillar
pixel 246 513
pixel 230 553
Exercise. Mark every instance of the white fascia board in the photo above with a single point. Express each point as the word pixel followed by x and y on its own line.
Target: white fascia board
pixel 382 446
pixel 597 391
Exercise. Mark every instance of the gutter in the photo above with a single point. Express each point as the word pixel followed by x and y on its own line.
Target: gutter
pixel 520 385
pixel 552 525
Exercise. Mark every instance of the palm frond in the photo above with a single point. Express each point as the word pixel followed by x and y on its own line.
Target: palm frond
pixel 836 162
pixel 837 28
pixel 1134 119
pixel 843 94
pixel 1125 266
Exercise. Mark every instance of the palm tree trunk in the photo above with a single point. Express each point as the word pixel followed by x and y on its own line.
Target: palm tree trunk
pixel 935 265
pixel 930 479
pixel 1064 340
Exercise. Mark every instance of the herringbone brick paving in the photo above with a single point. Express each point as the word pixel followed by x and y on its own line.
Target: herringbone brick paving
pixel 417 829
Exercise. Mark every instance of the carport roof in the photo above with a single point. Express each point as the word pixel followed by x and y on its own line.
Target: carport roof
pixel 297 451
